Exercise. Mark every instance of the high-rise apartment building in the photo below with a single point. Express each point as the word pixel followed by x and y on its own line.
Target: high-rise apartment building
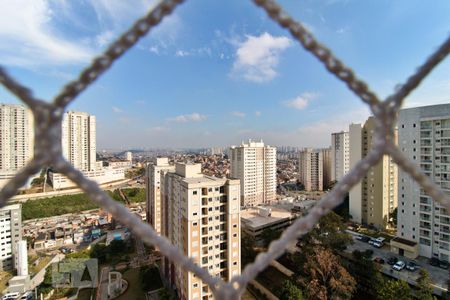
pixel 310 165
pixel 255 164
pixel 16 139
pixel 424 137
pixel 200 216
pixel 79 148
pixel 340 155
pixel 10 235
pixel 326 167
pixel 373 200
pixel 79 140
pixel 153 195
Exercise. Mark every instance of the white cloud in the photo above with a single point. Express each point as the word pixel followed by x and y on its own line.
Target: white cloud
pixel 104 38
pixel 258 113
pixel 194 117
pixel 258 56
pixel 154 49
pixel 116 109
pixel 27 37
pixel 300 102
pixel 238 114
pixel 182 53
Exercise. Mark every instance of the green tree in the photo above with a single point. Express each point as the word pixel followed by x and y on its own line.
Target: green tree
pixel 394 216
pixel 394 290
pixel 290 291
pixel 100 252
pixel 366 273
pixel 329 233
pixel 424 289
pixel 117 246
pixel 164 294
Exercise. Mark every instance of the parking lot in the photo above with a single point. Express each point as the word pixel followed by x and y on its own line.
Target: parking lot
pixel 438 276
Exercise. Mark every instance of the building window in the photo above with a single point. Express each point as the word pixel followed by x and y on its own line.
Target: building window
pixel 194 193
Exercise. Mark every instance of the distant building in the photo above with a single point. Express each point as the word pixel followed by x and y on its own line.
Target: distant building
pixel 424 137
pixel 11 234
pixel 310 166
pixel 255 164
pixel 16 139
pixel 22 258
pixel 153 195
pixel 79 148
pixel 326 167
pixel 79 140
pixel 201 217
pixel 340 155
pixel 129 156
pixel 374 198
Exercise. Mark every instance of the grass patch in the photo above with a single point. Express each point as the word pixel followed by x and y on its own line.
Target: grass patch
pixel 37 263
pixel 135 194
pixel 55 206
pixel 135 290
pixel 4 278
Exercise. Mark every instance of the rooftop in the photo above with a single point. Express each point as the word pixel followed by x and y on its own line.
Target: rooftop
pixel 252 218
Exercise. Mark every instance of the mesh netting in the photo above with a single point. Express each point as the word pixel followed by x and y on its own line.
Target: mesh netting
pixel 48 118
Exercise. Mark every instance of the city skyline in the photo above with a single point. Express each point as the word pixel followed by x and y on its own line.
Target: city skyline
pixel 280 93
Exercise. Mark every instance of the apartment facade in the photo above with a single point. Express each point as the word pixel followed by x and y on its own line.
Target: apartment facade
pixel 310 164
pixel 373 200
pixel 79 140
pixel 10 235
pixel 153 190
pixel 200 216
pixel 326 167
pixel 340 155
pixel 16 139
pixel 424 137
pixel 255 164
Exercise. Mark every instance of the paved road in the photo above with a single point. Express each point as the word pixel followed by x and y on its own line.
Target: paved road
pixel 438 276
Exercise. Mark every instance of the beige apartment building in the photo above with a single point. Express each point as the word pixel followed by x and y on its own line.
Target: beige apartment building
pixel 372 200
pixel 153 190
pixel 200 216
pixel 326 167
pixel 255 164
pixel 79 140
pixel 310 165
pixel 340 155
pixel 16 139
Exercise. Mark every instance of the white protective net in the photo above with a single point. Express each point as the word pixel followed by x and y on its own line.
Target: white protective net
pixel 48 117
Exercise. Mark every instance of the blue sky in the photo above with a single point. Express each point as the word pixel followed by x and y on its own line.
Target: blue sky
pixel 218 72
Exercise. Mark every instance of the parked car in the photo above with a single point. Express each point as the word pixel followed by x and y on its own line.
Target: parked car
pixel 364 238
pixel 399 265
pixel 443 264
pixel 434 261
pixel 27 296
pixel 10 296
pixel 378 260
pixel 372 240
pixel 412 266
pixel 378 244
pixel 392 260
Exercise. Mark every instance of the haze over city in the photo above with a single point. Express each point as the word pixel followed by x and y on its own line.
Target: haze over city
pixel 250 79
